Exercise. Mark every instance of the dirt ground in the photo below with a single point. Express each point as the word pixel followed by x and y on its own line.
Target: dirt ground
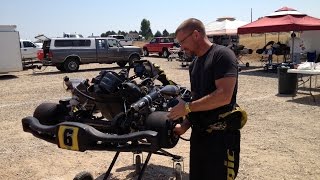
pixel 281 139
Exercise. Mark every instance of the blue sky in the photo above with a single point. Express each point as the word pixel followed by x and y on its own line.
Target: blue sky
pixel 52 18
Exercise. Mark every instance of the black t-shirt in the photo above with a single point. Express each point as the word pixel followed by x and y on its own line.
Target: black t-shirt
pixel 203 73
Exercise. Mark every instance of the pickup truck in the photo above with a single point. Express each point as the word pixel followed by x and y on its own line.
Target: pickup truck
pixel 160 45
pixel 123 41
pixel 68 53
pixel 28 50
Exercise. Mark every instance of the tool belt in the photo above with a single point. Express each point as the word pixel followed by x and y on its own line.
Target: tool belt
pixel 231 120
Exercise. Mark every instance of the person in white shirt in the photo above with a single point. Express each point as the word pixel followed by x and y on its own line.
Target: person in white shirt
pixel 296 48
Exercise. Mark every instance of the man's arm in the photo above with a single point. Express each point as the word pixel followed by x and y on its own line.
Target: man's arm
pixel 220 97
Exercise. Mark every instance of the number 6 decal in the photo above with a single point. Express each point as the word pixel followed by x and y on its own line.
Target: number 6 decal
pixel 68 138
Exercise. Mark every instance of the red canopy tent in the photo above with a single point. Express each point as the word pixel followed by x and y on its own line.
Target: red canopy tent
pixel 283 20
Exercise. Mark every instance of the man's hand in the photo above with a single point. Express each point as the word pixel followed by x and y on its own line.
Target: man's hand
pixel 181 128
pixel 178 111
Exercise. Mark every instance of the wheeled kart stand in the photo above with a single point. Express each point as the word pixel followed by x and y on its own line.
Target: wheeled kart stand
pixel 81 137
pixel 137 158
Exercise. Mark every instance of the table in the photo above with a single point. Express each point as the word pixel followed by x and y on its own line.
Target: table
pixel 310 73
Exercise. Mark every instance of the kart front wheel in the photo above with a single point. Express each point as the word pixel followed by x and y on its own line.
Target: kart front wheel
pixel 84 175
pixel 49 113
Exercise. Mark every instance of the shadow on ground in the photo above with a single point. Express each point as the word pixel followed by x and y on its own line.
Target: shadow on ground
pixel 307 100
pixel 7 77
pixel 257 71
pixel 154 172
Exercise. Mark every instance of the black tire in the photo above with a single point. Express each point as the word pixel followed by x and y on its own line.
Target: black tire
pixel 49 113
pixel 134 58
pixel 159 122
pixel 60 67
pixel 178 171
pixel 84 175
pixel 122 63
pixel 145 52
pixel 165 53
pixel 138 164
pixel 247 64
pixel 71 65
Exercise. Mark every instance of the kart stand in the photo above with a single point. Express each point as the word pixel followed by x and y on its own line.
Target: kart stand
pixel 137 158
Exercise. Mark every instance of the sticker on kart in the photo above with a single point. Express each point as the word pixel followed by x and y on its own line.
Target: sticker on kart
pixel 68 138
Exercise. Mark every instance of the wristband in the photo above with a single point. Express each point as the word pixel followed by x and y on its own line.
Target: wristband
pixel 187 107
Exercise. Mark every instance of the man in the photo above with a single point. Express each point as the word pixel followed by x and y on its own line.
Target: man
pixel 214 150
pixel 296 48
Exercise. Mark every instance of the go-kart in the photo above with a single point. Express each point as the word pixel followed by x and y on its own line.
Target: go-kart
pixel 114 112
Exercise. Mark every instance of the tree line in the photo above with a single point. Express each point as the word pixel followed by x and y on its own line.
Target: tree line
pixel 145 31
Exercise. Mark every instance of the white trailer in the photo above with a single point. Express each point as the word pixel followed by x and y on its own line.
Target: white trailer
pixel 10 53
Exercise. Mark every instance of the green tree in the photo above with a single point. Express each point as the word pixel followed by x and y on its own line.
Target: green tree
pixel 158 34
pixel 133 31
pixel 165 33
pixel 107 33
pixel 145 28
pixel 122 33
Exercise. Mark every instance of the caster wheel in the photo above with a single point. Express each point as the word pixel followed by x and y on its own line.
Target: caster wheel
pixel 138 164
pixel 265 68
pixel 84 175
pixel 178 171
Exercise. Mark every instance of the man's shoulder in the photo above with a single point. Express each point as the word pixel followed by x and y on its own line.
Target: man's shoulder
pixel 222 50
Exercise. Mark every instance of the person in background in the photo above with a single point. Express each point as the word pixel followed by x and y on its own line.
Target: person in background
pixel 296 48
pixel 214 150
pixel 270 53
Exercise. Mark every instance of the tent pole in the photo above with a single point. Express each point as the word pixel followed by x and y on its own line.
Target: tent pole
pixel 278 41
pixel 292 47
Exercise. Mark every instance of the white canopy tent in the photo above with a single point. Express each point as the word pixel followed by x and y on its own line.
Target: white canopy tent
pixel 224 26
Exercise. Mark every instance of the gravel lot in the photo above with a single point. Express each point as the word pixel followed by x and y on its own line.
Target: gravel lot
pixel 281 139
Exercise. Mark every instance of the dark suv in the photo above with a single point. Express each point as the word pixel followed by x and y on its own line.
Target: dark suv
pixel 159 45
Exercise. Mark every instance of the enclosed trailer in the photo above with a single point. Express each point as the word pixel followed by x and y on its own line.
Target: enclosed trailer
pixel 10 53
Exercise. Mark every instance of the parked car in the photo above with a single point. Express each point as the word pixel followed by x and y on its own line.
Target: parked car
pixel 123 41
pixel 68 53
pixel 160 45
pixel 28 50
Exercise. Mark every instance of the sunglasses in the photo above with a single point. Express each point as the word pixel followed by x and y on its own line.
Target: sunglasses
pixel 186 37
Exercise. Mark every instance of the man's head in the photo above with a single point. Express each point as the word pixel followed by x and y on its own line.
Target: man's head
pixel 191 35
pixel 293 35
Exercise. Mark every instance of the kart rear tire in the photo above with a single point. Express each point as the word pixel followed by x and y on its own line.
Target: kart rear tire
pixel 49 113
pixel 159 122
pixel 84 175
